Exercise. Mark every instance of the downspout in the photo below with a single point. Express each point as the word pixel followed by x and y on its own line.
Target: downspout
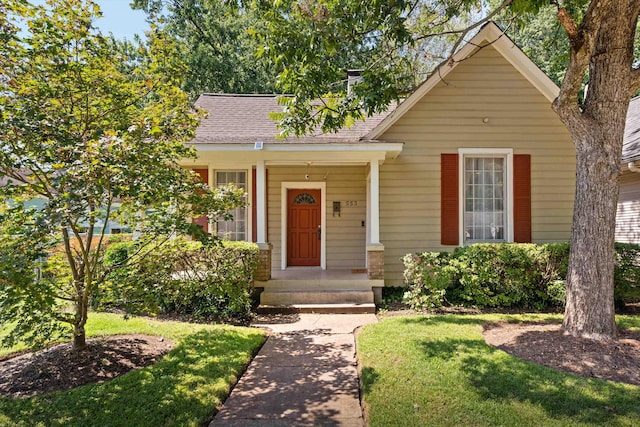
pixel 632 167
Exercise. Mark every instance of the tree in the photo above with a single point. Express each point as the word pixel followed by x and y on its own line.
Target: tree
pixel 84 131
pixel 214 40
pixel 600 45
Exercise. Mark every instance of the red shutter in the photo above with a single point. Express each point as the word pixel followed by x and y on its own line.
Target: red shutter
pixel 522 198
pixel 449 202
pixel 202 221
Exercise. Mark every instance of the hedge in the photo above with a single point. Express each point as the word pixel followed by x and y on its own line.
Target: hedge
pixel 509 275
pixel 180 277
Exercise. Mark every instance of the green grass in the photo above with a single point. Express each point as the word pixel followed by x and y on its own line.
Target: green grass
pixel 182 389
pixel 438 371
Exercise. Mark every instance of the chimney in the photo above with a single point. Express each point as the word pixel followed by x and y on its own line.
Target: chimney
pixel 353 77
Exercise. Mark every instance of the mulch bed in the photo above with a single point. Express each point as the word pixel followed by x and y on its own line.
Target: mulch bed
pixel 60 368
pixel 545 344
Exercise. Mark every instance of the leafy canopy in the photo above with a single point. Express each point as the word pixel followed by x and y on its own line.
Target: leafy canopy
pixel 94 136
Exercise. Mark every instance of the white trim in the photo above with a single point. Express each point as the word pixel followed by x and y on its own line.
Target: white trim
pixel 506 153
pixel 489 34
pixel 387 149
pixel 374 202
pixel 261 199
pixel 285 186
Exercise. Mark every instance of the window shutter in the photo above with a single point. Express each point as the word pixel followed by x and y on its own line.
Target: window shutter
pixel 522 198
pixel 449 202
pixel 202 221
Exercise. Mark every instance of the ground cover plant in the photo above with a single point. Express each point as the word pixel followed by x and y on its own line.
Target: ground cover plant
pixel 182 388
pixel 439 371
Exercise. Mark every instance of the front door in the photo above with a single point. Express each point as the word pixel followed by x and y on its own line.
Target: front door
pixel 303 227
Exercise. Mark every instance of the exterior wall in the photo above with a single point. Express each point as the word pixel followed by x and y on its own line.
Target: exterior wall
pixel 628 216
pixel 345 234
pixel 451 116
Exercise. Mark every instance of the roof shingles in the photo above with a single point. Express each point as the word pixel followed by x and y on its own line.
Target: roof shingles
pixel 244 119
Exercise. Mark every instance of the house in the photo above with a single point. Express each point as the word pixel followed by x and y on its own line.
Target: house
pixel 474 154
pixel 628 215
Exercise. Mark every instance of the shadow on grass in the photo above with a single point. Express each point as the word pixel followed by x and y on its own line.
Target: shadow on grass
pixel 183 388
pixel 499 377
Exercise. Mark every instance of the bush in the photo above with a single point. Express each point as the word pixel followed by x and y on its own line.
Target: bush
pixel 506 275
pixel 181 277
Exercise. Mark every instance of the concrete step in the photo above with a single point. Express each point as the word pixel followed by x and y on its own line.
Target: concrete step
pixel 310 296
pixel 320 284
pixel 318 308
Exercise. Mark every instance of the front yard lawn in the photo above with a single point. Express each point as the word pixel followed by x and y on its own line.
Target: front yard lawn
pixel 438 371
pixel 181 389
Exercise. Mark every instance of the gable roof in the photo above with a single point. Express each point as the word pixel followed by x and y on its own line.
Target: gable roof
pixel 244 119
pixel 489 34
pixel 631 144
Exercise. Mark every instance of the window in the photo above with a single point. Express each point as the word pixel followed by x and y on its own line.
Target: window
pixel 484 201
pixel 485 196
pixel 235 229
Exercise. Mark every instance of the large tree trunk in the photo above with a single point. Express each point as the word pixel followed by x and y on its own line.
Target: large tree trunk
pixel 597 130
pixel 589 310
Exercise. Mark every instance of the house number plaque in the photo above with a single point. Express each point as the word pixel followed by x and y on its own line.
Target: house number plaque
pixel 351 203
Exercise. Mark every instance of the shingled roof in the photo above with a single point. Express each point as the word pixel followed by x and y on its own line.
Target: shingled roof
pixel 631 147
pixel 244 119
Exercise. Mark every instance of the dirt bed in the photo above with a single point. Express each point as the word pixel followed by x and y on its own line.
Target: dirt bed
pixel 546 345
pixel 60 368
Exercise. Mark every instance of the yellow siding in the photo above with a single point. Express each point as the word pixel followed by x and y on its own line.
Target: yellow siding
pixel 628 217
pixel 450 117
pixel 345 233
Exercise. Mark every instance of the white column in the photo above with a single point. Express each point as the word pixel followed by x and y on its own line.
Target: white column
pixel 261 198
pixel 374 202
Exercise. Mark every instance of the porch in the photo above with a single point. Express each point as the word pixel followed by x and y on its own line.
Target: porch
pixel 312 289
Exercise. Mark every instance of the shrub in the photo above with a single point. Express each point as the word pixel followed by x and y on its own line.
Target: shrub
pixel 181 277
pixel 506 275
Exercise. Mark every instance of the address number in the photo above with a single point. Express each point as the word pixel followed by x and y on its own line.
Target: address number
pixel 351 203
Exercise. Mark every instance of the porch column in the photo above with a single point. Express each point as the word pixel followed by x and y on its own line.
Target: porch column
pixel 375 249
pixel 374 203
pixel 261 198
pixel 264 261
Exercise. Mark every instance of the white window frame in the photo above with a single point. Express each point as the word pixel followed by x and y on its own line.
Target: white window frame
pixel 247 183
pixel 507 154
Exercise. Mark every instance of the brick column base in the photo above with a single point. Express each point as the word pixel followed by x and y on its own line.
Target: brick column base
pixel 375 262
pixel 263 272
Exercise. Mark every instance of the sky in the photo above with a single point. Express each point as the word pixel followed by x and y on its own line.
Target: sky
pixel 119 19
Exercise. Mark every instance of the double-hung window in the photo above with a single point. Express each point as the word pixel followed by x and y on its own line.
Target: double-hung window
pixel 485 196
pixel 236 229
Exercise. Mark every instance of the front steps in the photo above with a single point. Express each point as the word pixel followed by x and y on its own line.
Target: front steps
pixel 317 296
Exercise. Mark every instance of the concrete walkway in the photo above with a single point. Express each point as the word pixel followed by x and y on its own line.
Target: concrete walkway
pixel 304 375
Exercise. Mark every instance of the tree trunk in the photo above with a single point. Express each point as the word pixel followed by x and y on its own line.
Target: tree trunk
pixel 589 310
pixel 79 338
pixel 597 131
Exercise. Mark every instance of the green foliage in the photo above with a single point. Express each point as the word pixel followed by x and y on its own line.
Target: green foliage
pixel 214 39
pixel 181 277
pixel 184 388
pixel 627 273
pixel 439 371
pixel 506 275
pixel 82 127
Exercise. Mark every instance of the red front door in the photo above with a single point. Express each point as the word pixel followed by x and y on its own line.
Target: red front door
pixel 303 227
